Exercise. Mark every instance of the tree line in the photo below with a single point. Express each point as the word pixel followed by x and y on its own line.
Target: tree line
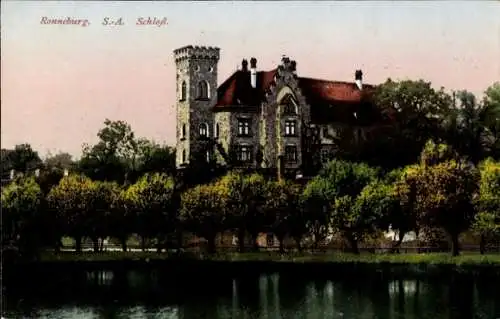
pixel 434 169
pixel 352 200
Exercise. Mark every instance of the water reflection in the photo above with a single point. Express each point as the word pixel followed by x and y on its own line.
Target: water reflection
pixel 156 294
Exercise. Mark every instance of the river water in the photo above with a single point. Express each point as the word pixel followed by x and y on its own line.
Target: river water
pixel 158 294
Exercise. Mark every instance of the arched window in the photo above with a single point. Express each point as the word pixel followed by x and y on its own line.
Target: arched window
pixel 204 129
pixel 203 90
pixel 183 91
pixel 183 156
pixel 183 135
pixel 217 130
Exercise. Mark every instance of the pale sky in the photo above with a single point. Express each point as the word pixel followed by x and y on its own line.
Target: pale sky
pixel 60 82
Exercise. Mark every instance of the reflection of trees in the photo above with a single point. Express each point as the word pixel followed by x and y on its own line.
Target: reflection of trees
pixel 461 297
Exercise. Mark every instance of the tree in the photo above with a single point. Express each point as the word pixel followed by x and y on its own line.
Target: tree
pixel 151 198
pixel 202 211
pixel 283 209
pixel 415 112
pixel 468 127
pixel 378 207
pixel 21 159
pixel 99 216
pixel 329 196
pixel 316 199
pixel 122 217
pixel 20 209
pixel 445 191
pixel 400 212
pixel 487 223
pixel 244 204
pixel 114 156
pixel 61 161
pixel 72 199
pixel 154 157
pixel 492 119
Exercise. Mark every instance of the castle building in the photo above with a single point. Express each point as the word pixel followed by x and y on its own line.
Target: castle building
pixel 265 119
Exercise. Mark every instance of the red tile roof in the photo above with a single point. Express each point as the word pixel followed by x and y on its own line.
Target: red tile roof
pixel 329 100
pixel 237 90
pixel 331 91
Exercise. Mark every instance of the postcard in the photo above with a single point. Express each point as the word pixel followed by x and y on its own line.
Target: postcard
pixel 250 159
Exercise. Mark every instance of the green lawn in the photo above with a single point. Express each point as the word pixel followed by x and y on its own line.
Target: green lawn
pixel 431 258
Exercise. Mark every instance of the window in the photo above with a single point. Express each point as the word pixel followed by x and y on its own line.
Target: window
pixel 244 127
pixel 291 153
pixel 217 130
pixel 204 129
pixel 203 90
pixel 289 109
pixel 183 156
pixel 290 128
pixel 183 91
pixel 183 133
pixel 244 153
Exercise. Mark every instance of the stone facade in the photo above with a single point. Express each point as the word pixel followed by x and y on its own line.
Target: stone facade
pixel 275 129
pixel 195 67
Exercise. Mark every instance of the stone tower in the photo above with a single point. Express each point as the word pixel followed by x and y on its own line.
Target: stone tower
pixel 196 81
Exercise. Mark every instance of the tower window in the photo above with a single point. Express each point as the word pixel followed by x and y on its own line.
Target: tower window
pixel 244 127
pixel 217 130
pixel 183 91
pixel 290 128
pixel 183 133
pixel 203 90
pixel 291 153
pixel 184 156
pixel 204 129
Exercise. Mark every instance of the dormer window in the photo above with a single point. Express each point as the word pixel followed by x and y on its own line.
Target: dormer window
pixel 203 90
pixel 183 91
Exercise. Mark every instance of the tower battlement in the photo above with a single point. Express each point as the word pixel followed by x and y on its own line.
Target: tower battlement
pixel 190 52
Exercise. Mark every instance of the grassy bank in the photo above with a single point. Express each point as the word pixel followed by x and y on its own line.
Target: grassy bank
pixel 335 258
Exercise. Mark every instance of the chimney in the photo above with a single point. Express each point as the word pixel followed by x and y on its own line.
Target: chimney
pixel 253 72
pixel 358 76
pixel 244 65
pixel 37 172
pixel 66 172
pixel 12 174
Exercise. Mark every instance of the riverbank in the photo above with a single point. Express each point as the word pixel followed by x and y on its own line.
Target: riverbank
pixel 320 257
